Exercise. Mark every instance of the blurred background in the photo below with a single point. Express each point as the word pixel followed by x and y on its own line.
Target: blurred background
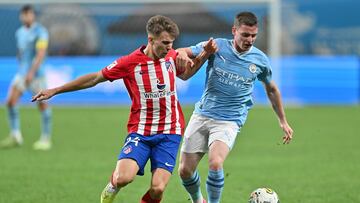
pixel 314 46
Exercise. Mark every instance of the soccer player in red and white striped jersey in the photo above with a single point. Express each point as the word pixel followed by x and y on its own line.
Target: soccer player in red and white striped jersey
pixel 156 120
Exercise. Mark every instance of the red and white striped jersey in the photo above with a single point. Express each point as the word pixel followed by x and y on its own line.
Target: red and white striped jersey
pixel 151 85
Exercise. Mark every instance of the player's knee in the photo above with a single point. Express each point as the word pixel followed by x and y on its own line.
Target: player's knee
pixel 10 103
pixel 216 163
pixel 121 180
pixel 157 190
pixel 185 172
pixel 42 106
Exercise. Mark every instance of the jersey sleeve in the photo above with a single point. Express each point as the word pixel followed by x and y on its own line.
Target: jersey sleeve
pixel 266 74
pixel 42 41
pixel 197 49
pixel 116 70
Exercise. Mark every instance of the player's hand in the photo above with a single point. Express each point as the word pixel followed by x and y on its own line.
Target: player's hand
pixel 183 61
pixel 288 132
pixel 43 95
pixel 210 46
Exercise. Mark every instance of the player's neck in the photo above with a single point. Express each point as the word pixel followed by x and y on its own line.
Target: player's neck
pixel 28 25
pixel 148 52
pixel 238 49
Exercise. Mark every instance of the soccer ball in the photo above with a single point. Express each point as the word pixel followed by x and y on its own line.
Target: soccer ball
pixel 264 195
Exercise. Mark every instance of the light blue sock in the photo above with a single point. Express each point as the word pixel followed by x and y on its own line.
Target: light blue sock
pixel 215 185
pixel 192 186
pixel 14 121
pixel 46 123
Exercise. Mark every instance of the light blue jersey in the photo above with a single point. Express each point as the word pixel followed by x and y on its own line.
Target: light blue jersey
pixel 230 78
pixel 28 40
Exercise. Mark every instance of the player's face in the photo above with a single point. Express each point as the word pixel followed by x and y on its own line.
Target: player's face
pixel 244 37
pixel 27 18
pixel 162 44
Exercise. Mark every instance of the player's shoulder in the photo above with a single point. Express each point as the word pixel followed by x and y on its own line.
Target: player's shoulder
pixel 41 27
pixel 134 57
pixel 222 42
pixel 257 55
pixel 172 53
pixel 19 30
pixel 257 51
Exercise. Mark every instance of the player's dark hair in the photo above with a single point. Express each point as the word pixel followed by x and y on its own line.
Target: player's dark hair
pixel 26 8
pixel 245 18
pixel 158 24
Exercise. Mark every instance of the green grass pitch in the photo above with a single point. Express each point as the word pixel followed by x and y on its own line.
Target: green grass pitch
pixel 322 165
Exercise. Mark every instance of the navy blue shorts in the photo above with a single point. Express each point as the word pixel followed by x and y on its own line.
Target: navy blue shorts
pixel 161 149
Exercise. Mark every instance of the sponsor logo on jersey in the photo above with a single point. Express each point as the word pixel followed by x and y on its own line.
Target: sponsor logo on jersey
pixel 160 94
pixel 160 86
pixel 252 68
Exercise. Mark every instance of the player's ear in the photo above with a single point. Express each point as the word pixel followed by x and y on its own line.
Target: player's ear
pixel 233 30
pixel 151 39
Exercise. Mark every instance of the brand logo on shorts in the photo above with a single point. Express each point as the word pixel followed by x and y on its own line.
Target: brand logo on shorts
pixel 168 165
pixel 127 149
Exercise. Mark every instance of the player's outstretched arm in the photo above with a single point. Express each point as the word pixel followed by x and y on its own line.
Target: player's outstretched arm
pixel 82 82
pixel 210 47
pixel 274 96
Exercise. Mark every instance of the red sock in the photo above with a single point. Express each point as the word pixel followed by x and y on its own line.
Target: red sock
pixel 147 199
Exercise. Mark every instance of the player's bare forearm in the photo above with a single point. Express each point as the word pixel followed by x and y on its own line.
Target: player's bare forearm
pixel 209 48
pixel 275 99
pixel 186 50
pixel 197 63
pixel 274 96
pixel 83 82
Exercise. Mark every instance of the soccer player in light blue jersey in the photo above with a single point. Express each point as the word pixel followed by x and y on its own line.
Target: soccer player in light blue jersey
pixel 32 43
pixel 224 106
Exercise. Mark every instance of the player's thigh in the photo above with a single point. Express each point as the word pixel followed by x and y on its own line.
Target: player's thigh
pixel 160 178
pixel 218 151
pixel 37 84
pixel 126 170
pixel 17 87
pixel 196 135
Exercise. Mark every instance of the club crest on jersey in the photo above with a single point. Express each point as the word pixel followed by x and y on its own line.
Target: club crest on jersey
pixel 169 66
pixel 127 149
pixel 160 86
pixel 252 68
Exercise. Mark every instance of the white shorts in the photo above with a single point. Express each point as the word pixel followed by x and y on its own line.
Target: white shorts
pixel 37 84
pixel 202 131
